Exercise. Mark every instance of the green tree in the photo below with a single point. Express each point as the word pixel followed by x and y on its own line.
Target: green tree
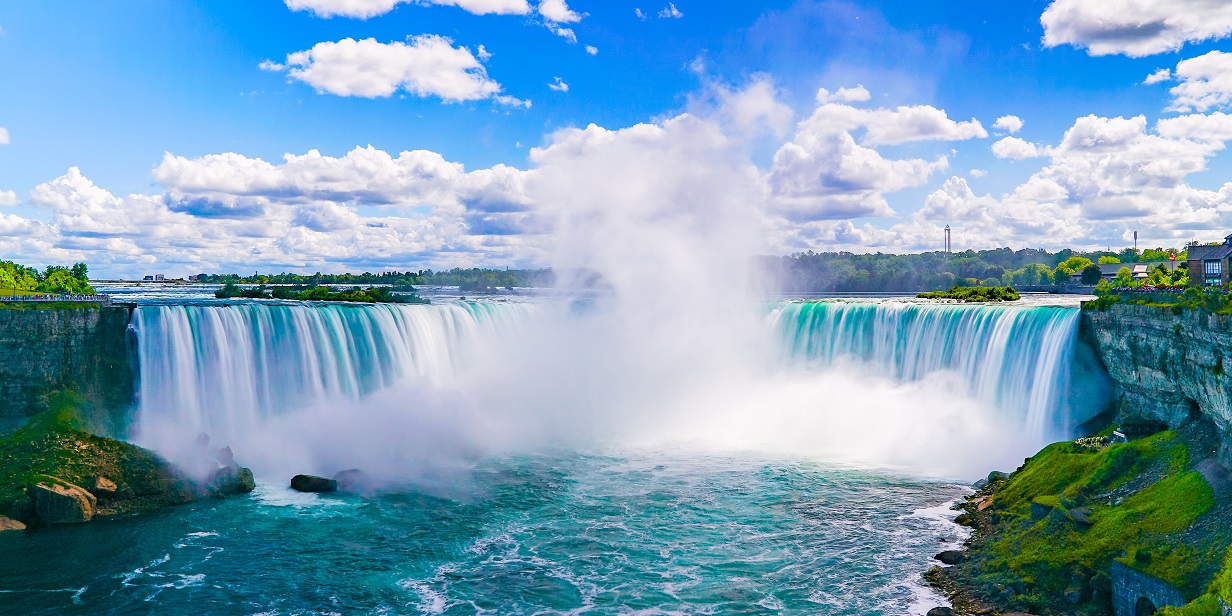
pixel 1125 277
pixel 1091 274
pixel 1073 265
pixel 1108 259
pixel 61 280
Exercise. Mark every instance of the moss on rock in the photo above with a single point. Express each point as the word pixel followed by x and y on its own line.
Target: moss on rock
pixel 52 446
pixel 1047 542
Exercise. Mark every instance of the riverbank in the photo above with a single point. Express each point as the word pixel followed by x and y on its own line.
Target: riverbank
pixel 1138 516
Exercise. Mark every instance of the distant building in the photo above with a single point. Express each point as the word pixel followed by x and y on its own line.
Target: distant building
pixel 1140 271
pixel 1208 265
pixel 154 278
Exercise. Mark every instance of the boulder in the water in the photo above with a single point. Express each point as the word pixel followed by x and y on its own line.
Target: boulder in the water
pixel 10 524
pixel 225 456
pixel 230 480
pixel 941 611
pixel 312 483
pixel 353 481
pixel 951 557
pixel 60 502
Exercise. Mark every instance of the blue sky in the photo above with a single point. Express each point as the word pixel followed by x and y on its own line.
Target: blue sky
pixel 110 88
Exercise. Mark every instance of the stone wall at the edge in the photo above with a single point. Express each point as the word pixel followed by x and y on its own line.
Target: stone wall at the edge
pixel 1166 365
pixel 78 348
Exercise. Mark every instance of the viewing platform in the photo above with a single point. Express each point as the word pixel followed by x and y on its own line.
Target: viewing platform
pixel 102 300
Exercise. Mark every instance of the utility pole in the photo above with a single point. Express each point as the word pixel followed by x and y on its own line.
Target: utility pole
pixel 948 247
pixel 1135 241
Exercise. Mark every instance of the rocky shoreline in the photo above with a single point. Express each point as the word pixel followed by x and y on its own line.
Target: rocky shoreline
pixel 54 472
pixel 1092 526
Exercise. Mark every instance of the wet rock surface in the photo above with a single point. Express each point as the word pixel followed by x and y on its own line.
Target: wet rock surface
pixel 313 483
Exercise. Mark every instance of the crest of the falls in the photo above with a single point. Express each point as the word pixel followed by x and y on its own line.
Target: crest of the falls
pixel 1019 361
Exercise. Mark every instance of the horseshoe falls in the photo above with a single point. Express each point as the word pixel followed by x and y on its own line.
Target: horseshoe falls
pixel 811 494
pixel 1018 362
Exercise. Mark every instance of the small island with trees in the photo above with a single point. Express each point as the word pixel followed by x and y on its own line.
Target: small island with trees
pixel 371 295
pixel 974 294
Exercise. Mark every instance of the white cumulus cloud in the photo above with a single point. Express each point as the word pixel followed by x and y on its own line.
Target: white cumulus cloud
pixel 670 12
pixel 843 95
pixel 7 198
pixel 557 11
pixel 1010 124
pixel 1134 28
pixel 1013 147
pixel 1205 82
pixel 559 85
pixel 425 66
pixel 1158 76
pixel 4 136
pixel 824 173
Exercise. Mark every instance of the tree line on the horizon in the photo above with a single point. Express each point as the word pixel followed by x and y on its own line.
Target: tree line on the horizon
pixel 845 272
pixel 472 279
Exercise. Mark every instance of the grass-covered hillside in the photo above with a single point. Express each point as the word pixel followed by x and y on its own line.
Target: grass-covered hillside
pixel 1047 535
pixel 55 444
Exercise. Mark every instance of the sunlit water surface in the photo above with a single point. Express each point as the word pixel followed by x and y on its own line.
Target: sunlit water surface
pixel 643 533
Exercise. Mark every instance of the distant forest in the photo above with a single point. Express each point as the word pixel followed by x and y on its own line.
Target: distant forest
pixel 809 272
pixel 845 272
pixel 474 279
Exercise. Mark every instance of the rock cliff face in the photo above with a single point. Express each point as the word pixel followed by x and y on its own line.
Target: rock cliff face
pixel 1165 366
pixel 82 348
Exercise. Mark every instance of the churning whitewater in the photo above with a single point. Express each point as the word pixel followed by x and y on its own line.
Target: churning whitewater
pixel 236 371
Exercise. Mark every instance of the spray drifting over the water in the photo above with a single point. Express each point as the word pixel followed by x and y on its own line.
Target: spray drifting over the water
pixel 671 354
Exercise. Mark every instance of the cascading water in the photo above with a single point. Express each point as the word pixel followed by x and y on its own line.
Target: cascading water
pixel 1017 360
pixel 221 369
pixel 231 370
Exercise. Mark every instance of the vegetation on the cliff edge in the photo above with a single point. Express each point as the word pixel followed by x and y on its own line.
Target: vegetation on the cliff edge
pixel 1046 536
pixel 974 294
pixel 325 294
pixel 1210 300
pixel 16 279
pixel 54 444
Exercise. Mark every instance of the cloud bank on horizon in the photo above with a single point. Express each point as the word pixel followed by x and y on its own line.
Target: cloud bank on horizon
pixel 860 164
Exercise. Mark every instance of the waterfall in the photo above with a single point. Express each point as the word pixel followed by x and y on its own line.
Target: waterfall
pixel 1016 360
pixel 321 380
pixel 220 369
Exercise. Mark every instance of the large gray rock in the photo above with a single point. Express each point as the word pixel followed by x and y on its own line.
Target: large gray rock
pixel 951 557
pixel 60 502
pixel 312 483
pixel 230 480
